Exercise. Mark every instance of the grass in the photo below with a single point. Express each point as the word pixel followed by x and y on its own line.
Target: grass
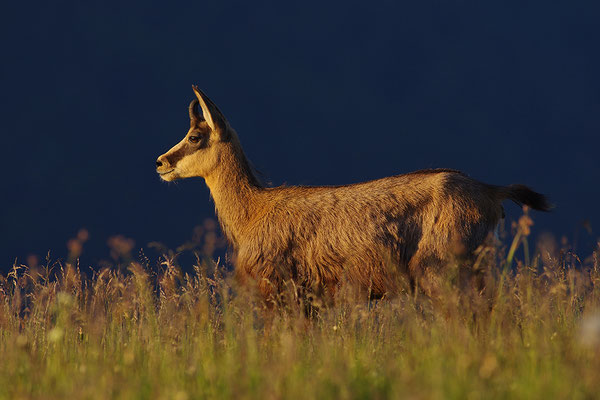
pixel 534 332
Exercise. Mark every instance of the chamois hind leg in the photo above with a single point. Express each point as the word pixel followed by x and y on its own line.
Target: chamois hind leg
pixel 425 271
pixel 430 272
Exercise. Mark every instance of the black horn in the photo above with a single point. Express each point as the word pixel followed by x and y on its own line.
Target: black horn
pixel 193 109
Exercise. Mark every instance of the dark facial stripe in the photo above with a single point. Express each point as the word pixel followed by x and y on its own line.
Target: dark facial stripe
pixel 174 157
pixel 187 149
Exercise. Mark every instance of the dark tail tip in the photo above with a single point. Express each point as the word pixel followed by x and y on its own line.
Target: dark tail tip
pixel 522 195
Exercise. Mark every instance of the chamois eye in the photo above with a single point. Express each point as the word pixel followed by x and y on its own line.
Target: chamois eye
pixel 194 139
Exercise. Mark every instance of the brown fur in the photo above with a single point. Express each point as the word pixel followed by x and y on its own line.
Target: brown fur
pixel 365 233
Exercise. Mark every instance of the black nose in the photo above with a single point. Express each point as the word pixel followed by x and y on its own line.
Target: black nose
pixel 158 163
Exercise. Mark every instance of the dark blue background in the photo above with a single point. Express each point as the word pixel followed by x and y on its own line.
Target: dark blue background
pixel 320 93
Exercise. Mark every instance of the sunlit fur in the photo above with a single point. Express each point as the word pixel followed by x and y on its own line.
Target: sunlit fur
pixel 366 234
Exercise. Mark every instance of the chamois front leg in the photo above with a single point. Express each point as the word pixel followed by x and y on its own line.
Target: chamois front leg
pixel 258 280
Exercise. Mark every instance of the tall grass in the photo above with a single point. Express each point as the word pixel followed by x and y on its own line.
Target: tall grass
pixel 534 332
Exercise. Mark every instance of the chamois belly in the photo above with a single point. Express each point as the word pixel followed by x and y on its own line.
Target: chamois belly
pixel 374 255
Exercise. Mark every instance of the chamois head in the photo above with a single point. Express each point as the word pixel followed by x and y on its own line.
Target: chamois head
pixel 199 153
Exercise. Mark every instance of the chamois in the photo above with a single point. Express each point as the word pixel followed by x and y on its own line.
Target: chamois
pixel 366 234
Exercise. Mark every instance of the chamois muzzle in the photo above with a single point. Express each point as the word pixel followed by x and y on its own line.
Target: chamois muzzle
pixel 162 163
pixel 163 166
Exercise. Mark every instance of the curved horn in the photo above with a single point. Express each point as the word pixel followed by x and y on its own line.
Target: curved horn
pixel 193 109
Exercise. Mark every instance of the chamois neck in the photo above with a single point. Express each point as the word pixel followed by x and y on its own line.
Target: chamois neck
pixel 233 188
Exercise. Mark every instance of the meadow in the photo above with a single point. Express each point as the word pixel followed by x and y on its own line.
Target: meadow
pixel 138 331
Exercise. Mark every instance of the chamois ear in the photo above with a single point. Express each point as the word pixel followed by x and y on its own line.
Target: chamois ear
pixel 211 113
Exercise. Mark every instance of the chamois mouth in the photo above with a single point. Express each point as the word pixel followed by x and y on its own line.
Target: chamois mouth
pixel 166 172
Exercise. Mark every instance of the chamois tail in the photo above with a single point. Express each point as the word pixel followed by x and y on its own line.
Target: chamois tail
pixel 522 195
